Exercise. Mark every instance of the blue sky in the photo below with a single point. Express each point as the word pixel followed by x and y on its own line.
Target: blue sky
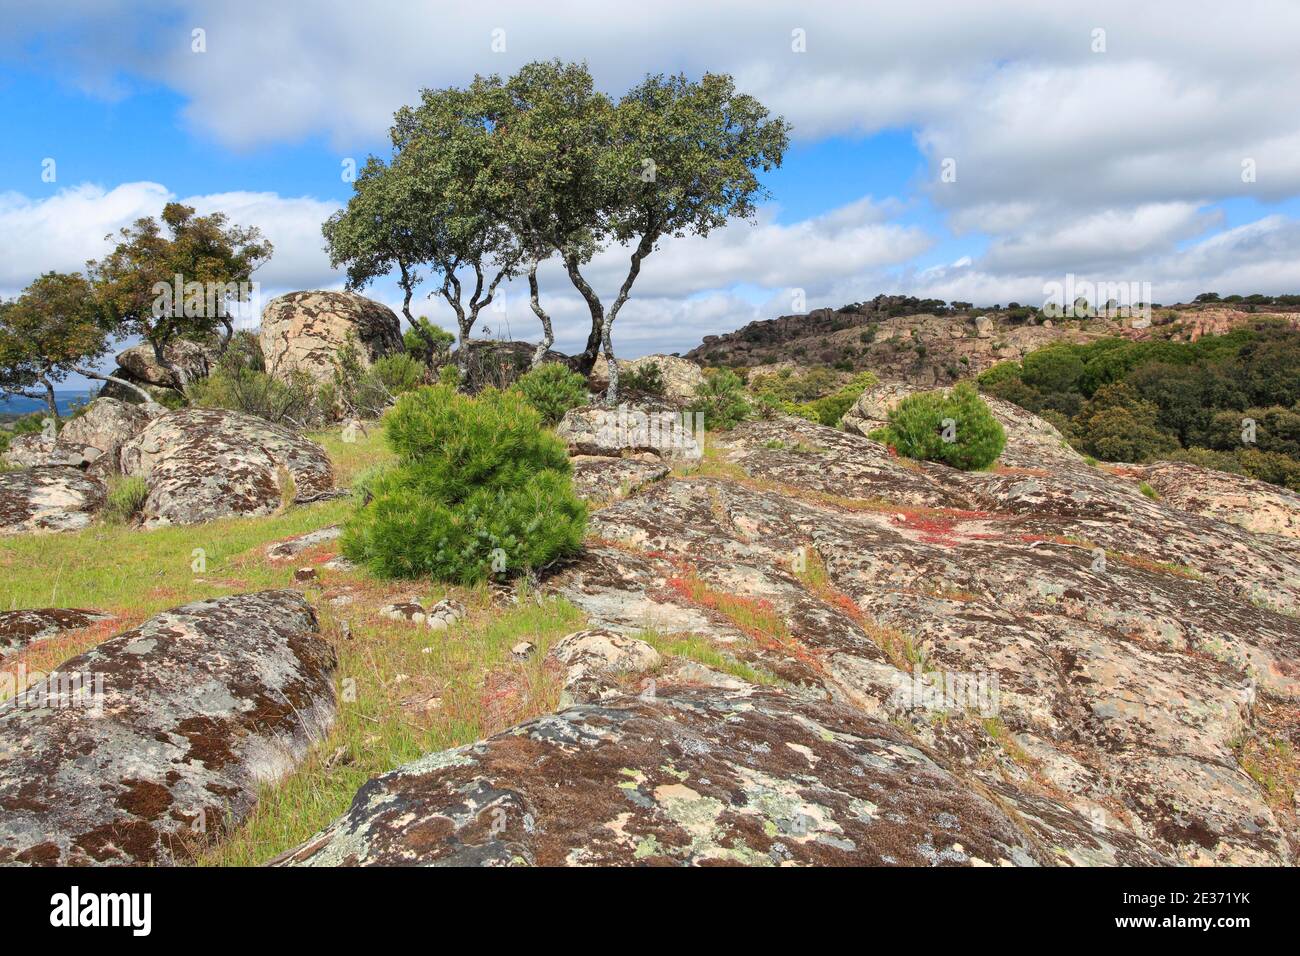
pixel 1123 163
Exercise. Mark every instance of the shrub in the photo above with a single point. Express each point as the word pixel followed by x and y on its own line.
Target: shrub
pixel 479 486
pixel 427 343
pixel 647 378
pixel 917 428
pixel 298 402
pixel 552 390
pixel 1117 425
pixel 830 409
pixel 126 498
pixel 721 399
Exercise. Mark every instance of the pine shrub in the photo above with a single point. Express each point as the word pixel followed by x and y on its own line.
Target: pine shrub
pixel 479 487
pixel 721 398
pixel 920 427
pixel 552 390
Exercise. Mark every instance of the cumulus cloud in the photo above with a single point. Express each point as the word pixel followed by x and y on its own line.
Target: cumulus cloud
pixel 1020 93
pixel 64 230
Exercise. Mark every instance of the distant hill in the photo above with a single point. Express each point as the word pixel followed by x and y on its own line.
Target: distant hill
pixel 17 406
pixel 929 342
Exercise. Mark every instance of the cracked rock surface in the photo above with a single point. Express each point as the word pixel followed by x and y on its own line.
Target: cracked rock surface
pixel 906 664
pixel 177 724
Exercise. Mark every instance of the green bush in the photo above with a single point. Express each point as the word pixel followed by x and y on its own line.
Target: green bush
pixel 479 487
pixel 552 390
pixel 971 439
pixel 1116 425
pixel 647 378
pixel 427 343
pixel 126 498
pixel 298 403
pixel 830 409
pixel 721 399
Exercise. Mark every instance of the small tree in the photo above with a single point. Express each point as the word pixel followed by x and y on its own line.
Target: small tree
pixel 49 332
pixel 956 428
pixel 135 284
pixel 384 226
pixel 440 149
pixel 682 159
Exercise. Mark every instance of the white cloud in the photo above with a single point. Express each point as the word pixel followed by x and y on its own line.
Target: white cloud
pixel 64 230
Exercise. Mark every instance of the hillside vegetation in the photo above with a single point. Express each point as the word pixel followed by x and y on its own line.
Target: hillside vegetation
pixel 1230 402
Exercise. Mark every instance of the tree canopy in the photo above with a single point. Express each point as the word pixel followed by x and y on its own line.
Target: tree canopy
pixel 135 285
pixel 496 178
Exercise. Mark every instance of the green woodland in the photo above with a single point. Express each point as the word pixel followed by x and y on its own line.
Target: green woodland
pixel 1229 402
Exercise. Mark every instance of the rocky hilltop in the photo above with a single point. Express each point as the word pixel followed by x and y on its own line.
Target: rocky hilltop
pixel 927 342
pixel 1034 665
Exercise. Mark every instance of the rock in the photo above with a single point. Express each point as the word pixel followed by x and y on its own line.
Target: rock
pixel 207 463
pixel 1121 683
pixel 48 499
pixel 652 427
pixel 142 367
pixel 106 426
pixel 304 331
pixel 444 614
pixel 596 659
pixel 411 612
pixel 523 650
pixel 1254 505
pixel 690 776
pixel 283 550
pixel 183 719
pixel 305 574
pixel 600 479
pixel 983 327
pixel 681 377
pixel 32 450
pixel 18 629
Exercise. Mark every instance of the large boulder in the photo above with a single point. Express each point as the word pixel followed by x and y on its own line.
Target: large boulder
pixel 32 450
pixel 48 499
pixel 696 771
pixel 177 724
pixel 304 331
pixel 18 629
pixel 681 377
pixel 99 433
pixel 206 463
pixel 654 428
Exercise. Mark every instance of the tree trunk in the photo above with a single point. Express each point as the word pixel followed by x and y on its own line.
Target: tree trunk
pixel 643 249
pixel 148 399
pixel 548 336
pixel 587 360
pixel 178 376
pixel 50 401
pixel 611 393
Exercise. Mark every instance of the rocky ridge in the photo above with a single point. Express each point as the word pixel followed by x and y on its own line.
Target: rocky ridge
pixel 912 665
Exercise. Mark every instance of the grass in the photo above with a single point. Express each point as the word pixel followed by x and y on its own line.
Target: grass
pixel 126 498
pixel 1150 492
pixel 695 648
pixel 404 691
